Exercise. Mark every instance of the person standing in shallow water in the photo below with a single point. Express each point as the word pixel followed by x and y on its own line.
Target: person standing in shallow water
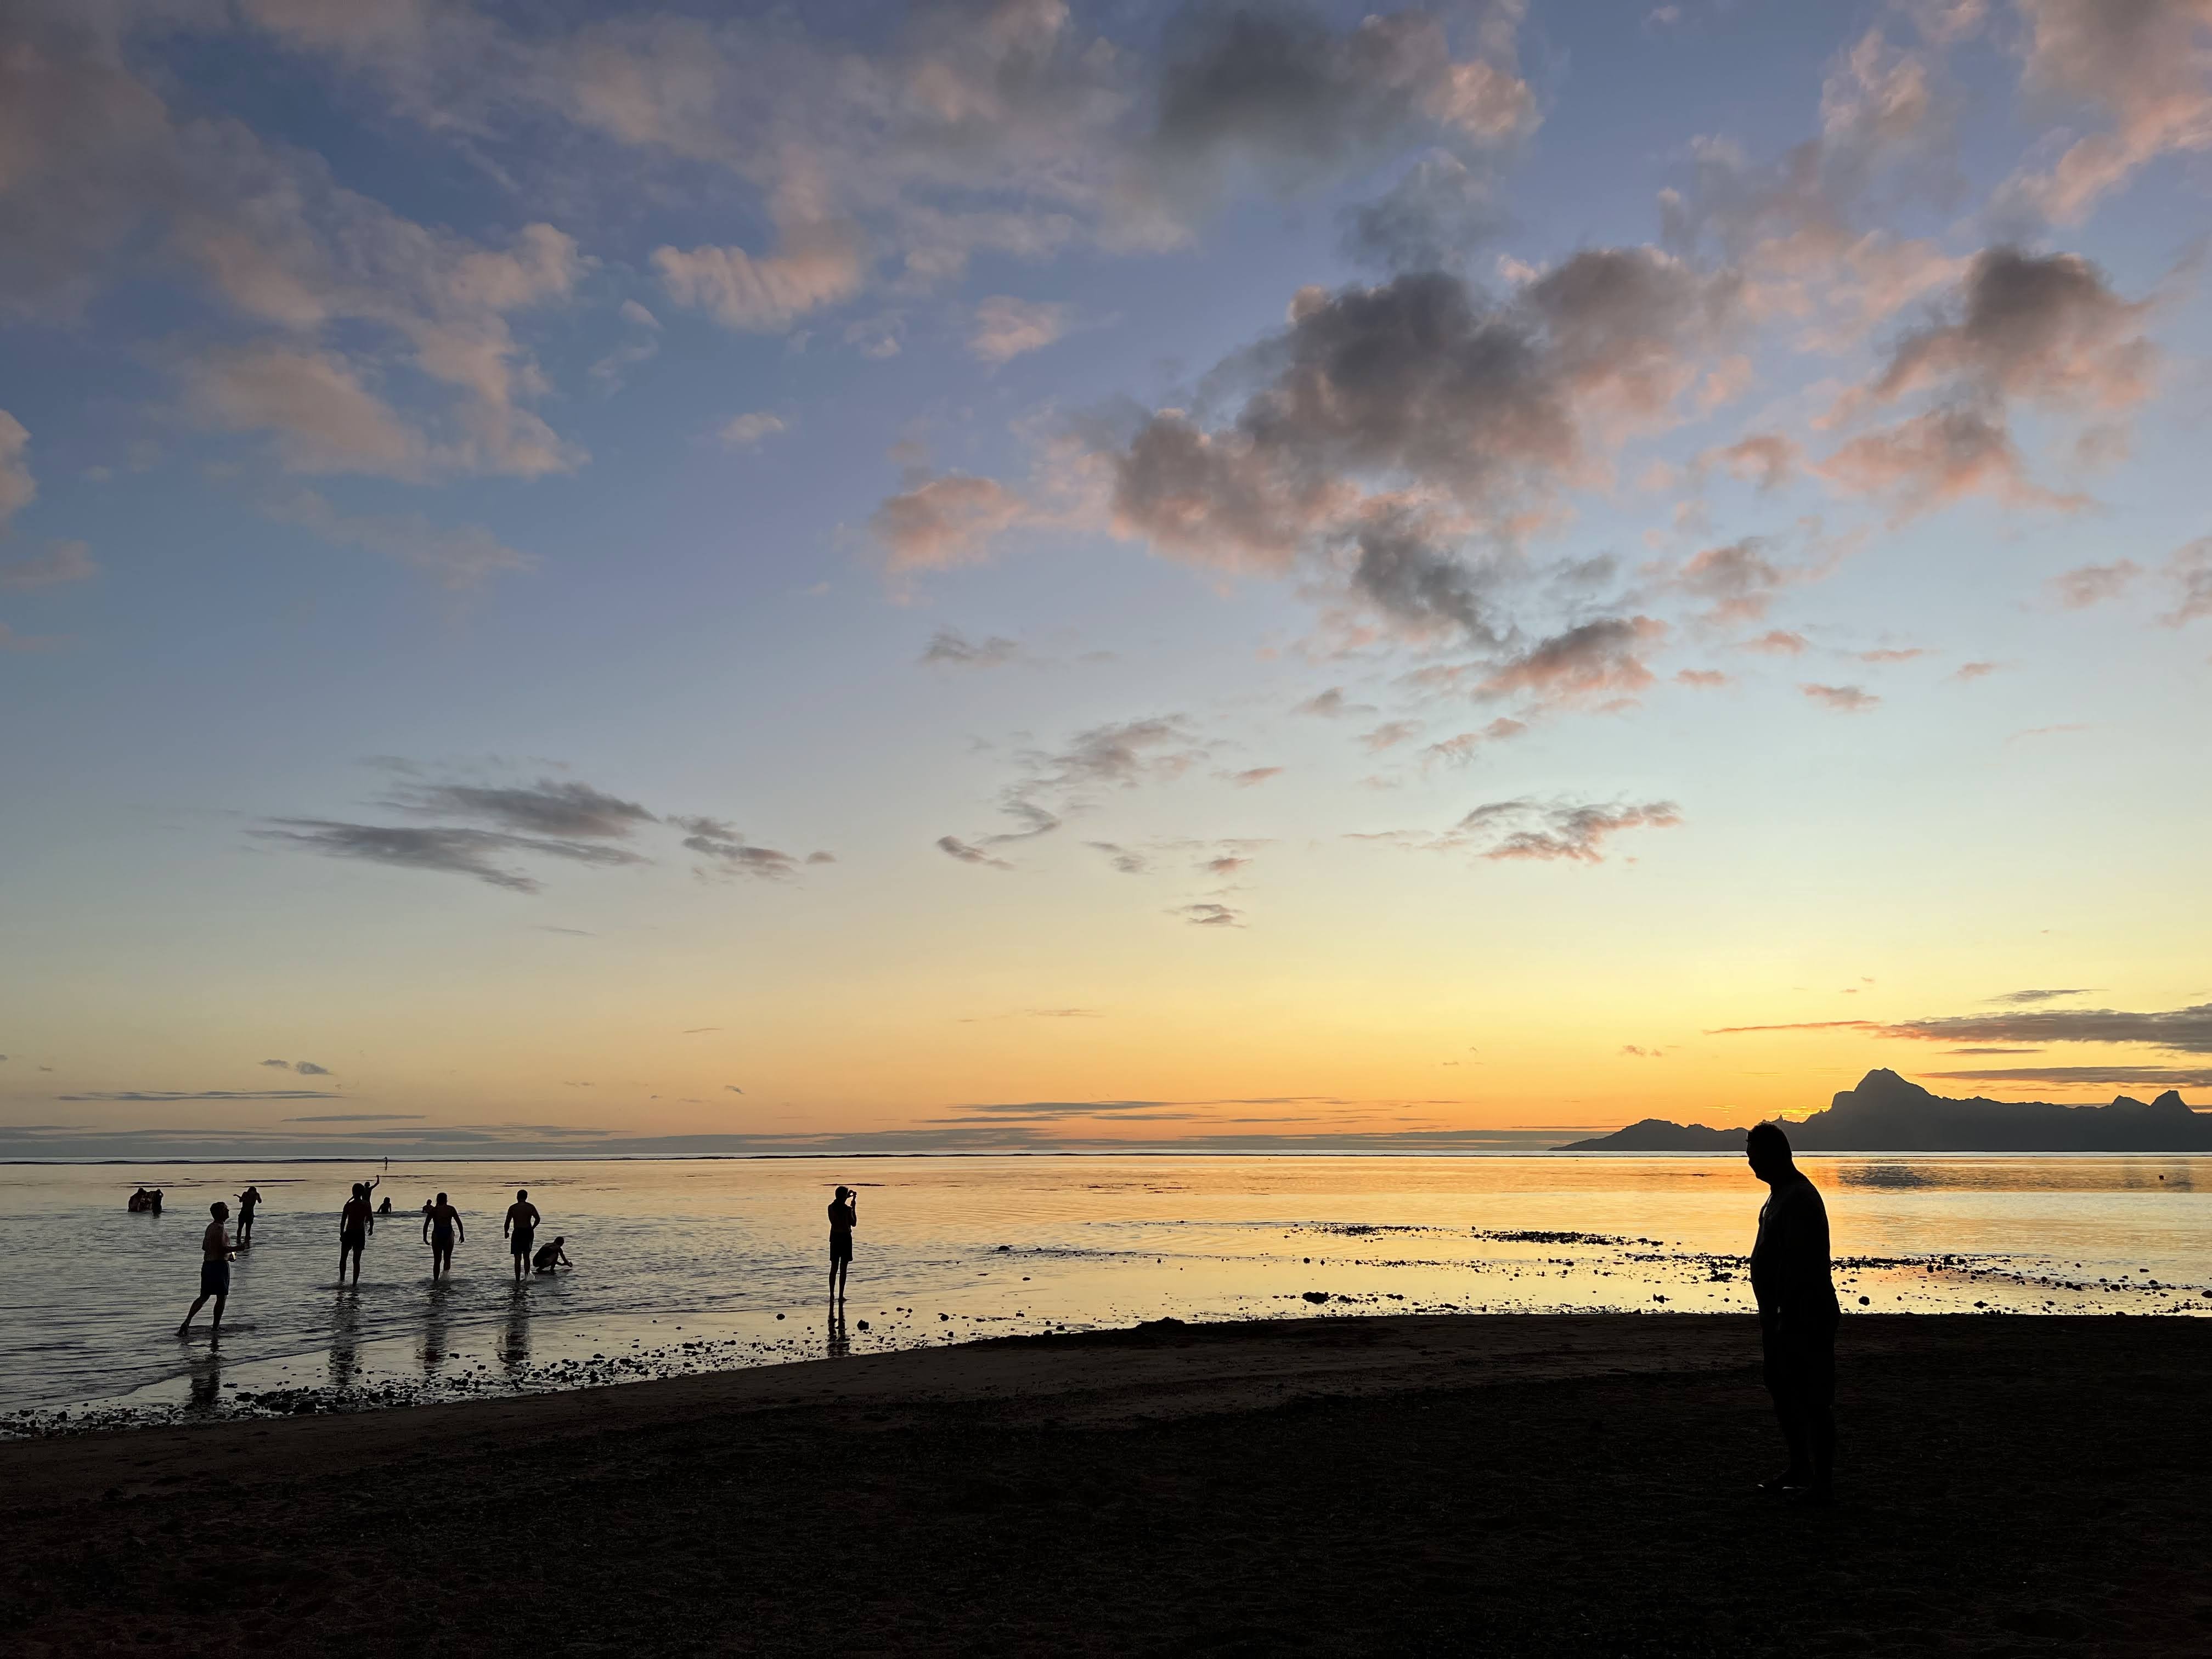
pixel 1798 1315
pixel 441 1223
pixel 844 1216
pixel 247 1202
pixel 214 1269
pixel 522 1231
pixel 353 1232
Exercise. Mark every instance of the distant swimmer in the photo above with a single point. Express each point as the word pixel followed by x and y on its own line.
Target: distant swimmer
pixel 1797 1314
pixel 441 1226
pixel 215 1270
pixel 368 1190
pixel 353 1232
pixel 844 1216
pixel 384 1208
pixel 249 1201
pixel 141 1201
pixel 520 1228
pixel 550 1256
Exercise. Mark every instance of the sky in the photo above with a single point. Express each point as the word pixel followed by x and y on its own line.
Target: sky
pixel 1004 574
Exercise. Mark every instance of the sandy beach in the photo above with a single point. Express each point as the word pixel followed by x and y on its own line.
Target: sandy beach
pixel 1513 1486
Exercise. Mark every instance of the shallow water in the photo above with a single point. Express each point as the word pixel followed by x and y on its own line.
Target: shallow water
pixel 692 1265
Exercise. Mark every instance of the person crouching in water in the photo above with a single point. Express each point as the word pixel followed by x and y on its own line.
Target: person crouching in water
pixel 1797 1314
pixel 844 1216
pixel 214 1269
pixel 550 1256
pixel 441 1222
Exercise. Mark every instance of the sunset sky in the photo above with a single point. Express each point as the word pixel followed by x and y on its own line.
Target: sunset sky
pixel 1005 574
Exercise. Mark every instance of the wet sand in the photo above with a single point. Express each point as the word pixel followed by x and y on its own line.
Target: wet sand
pixel 1527 1484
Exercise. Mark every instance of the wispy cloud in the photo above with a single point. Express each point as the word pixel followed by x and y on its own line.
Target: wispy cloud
pixel 165 1095
pixel 2179 1030
pixel 951 648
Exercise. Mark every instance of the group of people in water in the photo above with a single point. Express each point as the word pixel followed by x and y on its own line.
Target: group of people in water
pixel 1792 1281
pixel 442 1228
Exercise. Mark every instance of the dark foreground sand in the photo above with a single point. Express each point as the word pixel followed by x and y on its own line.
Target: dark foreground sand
pixel 1402 1485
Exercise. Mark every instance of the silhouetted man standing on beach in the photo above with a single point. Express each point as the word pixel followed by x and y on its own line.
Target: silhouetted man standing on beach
pixel 843 1217
pixel 1797 1314
pixel 214 1269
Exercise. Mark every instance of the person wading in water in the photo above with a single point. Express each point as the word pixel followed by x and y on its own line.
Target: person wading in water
pixel 522 1231
pixel 442 1224
pixel 215 1270
pixel 249 1201
pixel 354 1223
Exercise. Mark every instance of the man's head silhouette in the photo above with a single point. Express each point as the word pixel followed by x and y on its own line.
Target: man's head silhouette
pixel 1768 1150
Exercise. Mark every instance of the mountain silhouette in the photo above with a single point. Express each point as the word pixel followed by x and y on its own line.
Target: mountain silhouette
pixel 1886 1114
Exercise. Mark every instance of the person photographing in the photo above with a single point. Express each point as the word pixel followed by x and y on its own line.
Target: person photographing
pixel 844 1216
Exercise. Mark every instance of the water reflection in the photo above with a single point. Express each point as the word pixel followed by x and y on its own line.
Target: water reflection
pixel 515 1335
pixel 345 1339
pixel 206 1375
pixel 437 1326
pixel 840 1345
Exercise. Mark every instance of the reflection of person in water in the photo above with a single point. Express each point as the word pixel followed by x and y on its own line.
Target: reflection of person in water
pixel 550 1256
pixel 1797 1314
pixel 247 1201
pixel 441 1226
pixel 345 1342
pixel 844 1216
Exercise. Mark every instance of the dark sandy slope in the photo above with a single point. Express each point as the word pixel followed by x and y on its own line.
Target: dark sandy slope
pixel 1408 1485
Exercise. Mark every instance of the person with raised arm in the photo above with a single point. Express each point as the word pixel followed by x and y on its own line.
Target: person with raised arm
pixel 1798 1315
pixel 354 1221
pixel 844 1216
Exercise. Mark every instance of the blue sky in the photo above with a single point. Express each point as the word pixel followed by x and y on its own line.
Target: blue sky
pixel 709 571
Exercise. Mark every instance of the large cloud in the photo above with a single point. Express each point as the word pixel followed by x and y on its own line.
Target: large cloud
pixel 334 292
pixel 1387 427
pixel 2144 66
pixel 2043 332
pixel 1011 125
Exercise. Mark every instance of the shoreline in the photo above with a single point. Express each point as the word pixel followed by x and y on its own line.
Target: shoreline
pixel 1506 1483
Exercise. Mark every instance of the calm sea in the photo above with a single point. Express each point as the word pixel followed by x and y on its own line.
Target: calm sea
pixel 683 1265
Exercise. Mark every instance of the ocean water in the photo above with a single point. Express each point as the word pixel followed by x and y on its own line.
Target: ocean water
pixel 694 1265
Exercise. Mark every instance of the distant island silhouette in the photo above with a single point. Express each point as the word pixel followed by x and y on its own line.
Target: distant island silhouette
pixel 1886 1114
